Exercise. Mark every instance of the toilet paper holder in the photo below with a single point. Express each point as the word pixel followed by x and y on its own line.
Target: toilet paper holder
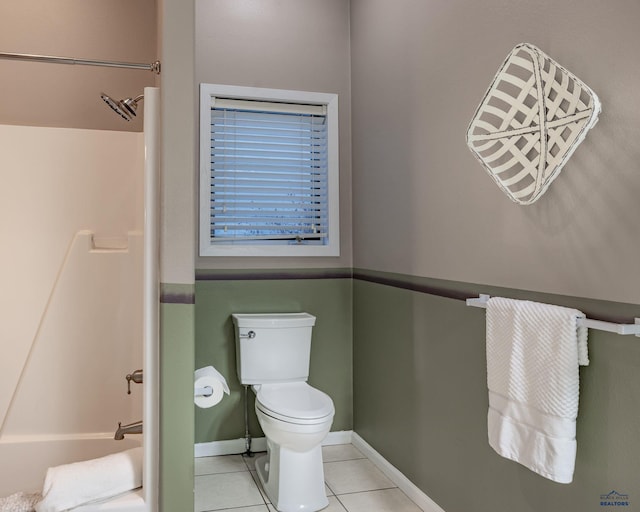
pixel 209 388
pixel 204 391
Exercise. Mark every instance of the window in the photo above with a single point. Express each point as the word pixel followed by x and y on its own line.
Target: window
pixel 268 172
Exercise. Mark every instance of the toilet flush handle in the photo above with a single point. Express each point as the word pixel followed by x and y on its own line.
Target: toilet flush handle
pixel 250 335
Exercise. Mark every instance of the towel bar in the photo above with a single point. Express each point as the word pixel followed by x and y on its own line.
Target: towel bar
pixel 624 329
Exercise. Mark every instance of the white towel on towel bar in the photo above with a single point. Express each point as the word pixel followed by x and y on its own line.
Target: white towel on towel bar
pixel 533 353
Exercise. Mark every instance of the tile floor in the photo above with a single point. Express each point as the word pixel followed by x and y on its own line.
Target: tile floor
pixel 352 482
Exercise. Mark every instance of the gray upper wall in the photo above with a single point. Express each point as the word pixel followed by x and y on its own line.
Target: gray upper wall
pixel 410 75
pixel 68 96
pixel 422 205
pixel 281 44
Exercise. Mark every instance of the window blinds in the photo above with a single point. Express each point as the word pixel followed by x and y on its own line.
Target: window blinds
pixel 268 172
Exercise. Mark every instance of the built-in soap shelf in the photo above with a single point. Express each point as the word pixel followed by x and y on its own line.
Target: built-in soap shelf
pixel 110 244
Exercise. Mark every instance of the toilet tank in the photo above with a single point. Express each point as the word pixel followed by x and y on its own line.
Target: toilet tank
pixel 273 347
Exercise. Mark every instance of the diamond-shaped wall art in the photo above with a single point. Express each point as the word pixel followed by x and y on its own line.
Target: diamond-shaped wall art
pixel 531 120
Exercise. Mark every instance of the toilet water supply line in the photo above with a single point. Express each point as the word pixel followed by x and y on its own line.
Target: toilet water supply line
pixel 247 435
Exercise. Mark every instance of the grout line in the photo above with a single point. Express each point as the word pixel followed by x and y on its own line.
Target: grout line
pixel 246 465
pixel 263 493
pixel 341 504
pixel 368 490
pixel 330 489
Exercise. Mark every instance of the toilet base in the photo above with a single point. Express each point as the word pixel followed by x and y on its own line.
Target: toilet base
pixel 293 481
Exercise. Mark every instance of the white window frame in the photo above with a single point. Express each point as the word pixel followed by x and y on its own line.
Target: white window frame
pixel 209 248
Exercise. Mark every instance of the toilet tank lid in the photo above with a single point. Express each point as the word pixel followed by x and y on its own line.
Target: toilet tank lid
pixel 273 320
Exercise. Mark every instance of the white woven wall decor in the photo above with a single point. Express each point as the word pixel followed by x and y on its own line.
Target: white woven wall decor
pixel 532 118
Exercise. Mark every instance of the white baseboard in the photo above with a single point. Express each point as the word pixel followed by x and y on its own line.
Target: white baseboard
pixel 231 447
pixel 393 474
pixel 259 444
pixel 338 437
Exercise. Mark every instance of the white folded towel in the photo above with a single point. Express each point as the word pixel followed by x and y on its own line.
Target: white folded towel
pixel 533 353
pixel 75 484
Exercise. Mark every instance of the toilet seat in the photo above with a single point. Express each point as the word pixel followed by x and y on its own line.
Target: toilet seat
pixel 294 402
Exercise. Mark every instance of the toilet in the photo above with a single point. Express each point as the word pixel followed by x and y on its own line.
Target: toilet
pixel 272 356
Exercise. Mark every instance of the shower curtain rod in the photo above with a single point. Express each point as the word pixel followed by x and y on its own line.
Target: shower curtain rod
pixel 154 66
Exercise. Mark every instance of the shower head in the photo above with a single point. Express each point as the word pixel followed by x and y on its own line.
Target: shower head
pixel 125 108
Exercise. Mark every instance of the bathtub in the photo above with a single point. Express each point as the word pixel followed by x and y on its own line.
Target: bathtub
pixel 24 461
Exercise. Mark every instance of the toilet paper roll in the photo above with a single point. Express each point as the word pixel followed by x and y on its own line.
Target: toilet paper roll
pixel 209 377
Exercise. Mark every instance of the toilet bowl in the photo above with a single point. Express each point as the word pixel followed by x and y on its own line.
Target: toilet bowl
pixel 272 356
pixel 295 419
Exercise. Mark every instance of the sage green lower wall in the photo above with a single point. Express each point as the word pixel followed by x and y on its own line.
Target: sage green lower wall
pixel 329 299
pixel 420 399
pixel 176 401
pixel 407 371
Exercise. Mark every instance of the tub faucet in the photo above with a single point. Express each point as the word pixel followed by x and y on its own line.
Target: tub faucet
pixel 131 428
